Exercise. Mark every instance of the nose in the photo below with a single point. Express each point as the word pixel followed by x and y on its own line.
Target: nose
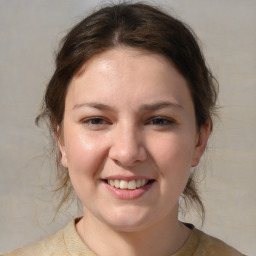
pixel 127 147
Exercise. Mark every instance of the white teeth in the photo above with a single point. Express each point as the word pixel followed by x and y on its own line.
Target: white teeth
pixel 132 184
pixel 124 184
pixel 138 183
pixel 117 183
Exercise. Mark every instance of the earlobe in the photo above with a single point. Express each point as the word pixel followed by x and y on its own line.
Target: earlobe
pixel 201 143
pixel 62 150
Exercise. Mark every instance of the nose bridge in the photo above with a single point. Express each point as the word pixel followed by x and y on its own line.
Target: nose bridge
pixel 127 144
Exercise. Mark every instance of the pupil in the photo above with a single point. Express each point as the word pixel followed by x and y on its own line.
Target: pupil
pixel 96 121
pixel 159 121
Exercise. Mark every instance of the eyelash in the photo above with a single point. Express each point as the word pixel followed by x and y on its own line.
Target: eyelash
pixel 156 121
pixel 162 121
pixel 95 121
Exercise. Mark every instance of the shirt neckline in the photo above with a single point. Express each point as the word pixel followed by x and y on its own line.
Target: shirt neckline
pixel 76 247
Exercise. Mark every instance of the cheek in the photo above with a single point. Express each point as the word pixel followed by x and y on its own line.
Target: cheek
pixel 84 154
pixel 173 152
pixel 173 156
pixel 85 157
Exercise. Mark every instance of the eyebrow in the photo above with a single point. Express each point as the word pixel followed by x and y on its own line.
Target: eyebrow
pixel 96 105
pixel 143 108
pixel 159 105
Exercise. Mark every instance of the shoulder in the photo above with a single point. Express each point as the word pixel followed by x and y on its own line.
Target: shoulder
pixel 211 246
pixel 66 242
pixel 52 245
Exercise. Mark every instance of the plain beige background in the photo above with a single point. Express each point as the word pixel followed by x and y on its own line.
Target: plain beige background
pixel 29 34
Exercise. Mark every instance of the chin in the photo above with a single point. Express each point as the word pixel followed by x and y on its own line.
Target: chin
pixel 128 226
pixel 128 220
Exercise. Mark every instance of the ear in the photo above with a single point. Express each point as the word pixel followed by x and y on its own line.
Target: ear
pixel 201 143
pixel 61 146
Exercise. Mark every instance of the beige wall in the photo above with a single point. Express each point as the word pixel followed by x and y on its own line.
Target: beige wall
pixel 30 30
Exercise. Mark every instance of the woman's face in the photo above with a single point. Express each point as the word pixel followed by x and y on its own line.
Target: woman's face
pixel 130 138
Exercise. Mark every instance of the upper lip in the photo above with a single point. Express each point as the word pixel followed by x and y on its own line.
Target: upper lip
pixel 121 177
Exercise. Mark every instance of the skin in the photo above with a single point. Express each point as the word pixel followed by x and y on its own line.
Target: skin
pixel 130 113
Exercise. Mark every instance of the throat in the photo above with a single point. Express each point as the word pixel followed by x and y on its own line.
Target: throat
pixel 150 242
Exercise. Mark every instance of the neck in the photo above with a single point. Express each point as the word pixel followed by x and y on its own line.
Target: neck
pixel 163 238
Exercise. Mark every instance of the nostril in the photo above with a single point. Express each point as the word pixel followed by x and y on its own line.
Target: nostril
pixel 128 157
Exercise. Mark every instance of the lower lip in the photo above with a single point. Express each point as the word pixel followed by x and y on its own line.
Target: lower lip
pixel 128 194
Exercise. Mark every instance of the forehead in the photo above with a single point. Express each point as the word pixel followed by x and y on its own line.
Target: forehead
pixel 127 72
pixel 117 61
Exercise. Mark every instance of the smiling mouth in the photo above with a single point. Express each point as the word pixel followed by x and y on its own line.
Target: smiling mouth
pixel 131 185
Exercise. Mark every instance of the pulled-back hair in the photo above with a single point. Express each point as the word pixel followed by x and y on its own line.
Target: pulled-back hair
pixel 140 26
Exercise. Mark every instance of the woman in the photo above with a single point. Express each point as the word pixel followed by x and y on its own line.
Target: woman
pixel 130 106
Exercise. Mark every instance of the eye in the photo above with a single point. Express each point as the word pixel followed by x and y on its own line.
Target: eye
pixel 161 121
pixel 95 121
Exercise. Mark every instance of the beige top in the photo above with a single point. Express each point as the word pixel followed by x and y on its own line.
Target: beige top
pixel 67 242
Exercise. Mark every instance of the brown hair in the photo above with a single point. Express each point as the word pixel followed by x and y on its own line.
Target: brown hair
pixel 143 27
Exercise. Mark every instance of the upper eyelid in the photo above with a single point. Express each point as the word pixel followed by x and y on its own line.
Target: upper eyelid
pixel 164 122
pixel 94 118
pixel 163 118
pixel 104 119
